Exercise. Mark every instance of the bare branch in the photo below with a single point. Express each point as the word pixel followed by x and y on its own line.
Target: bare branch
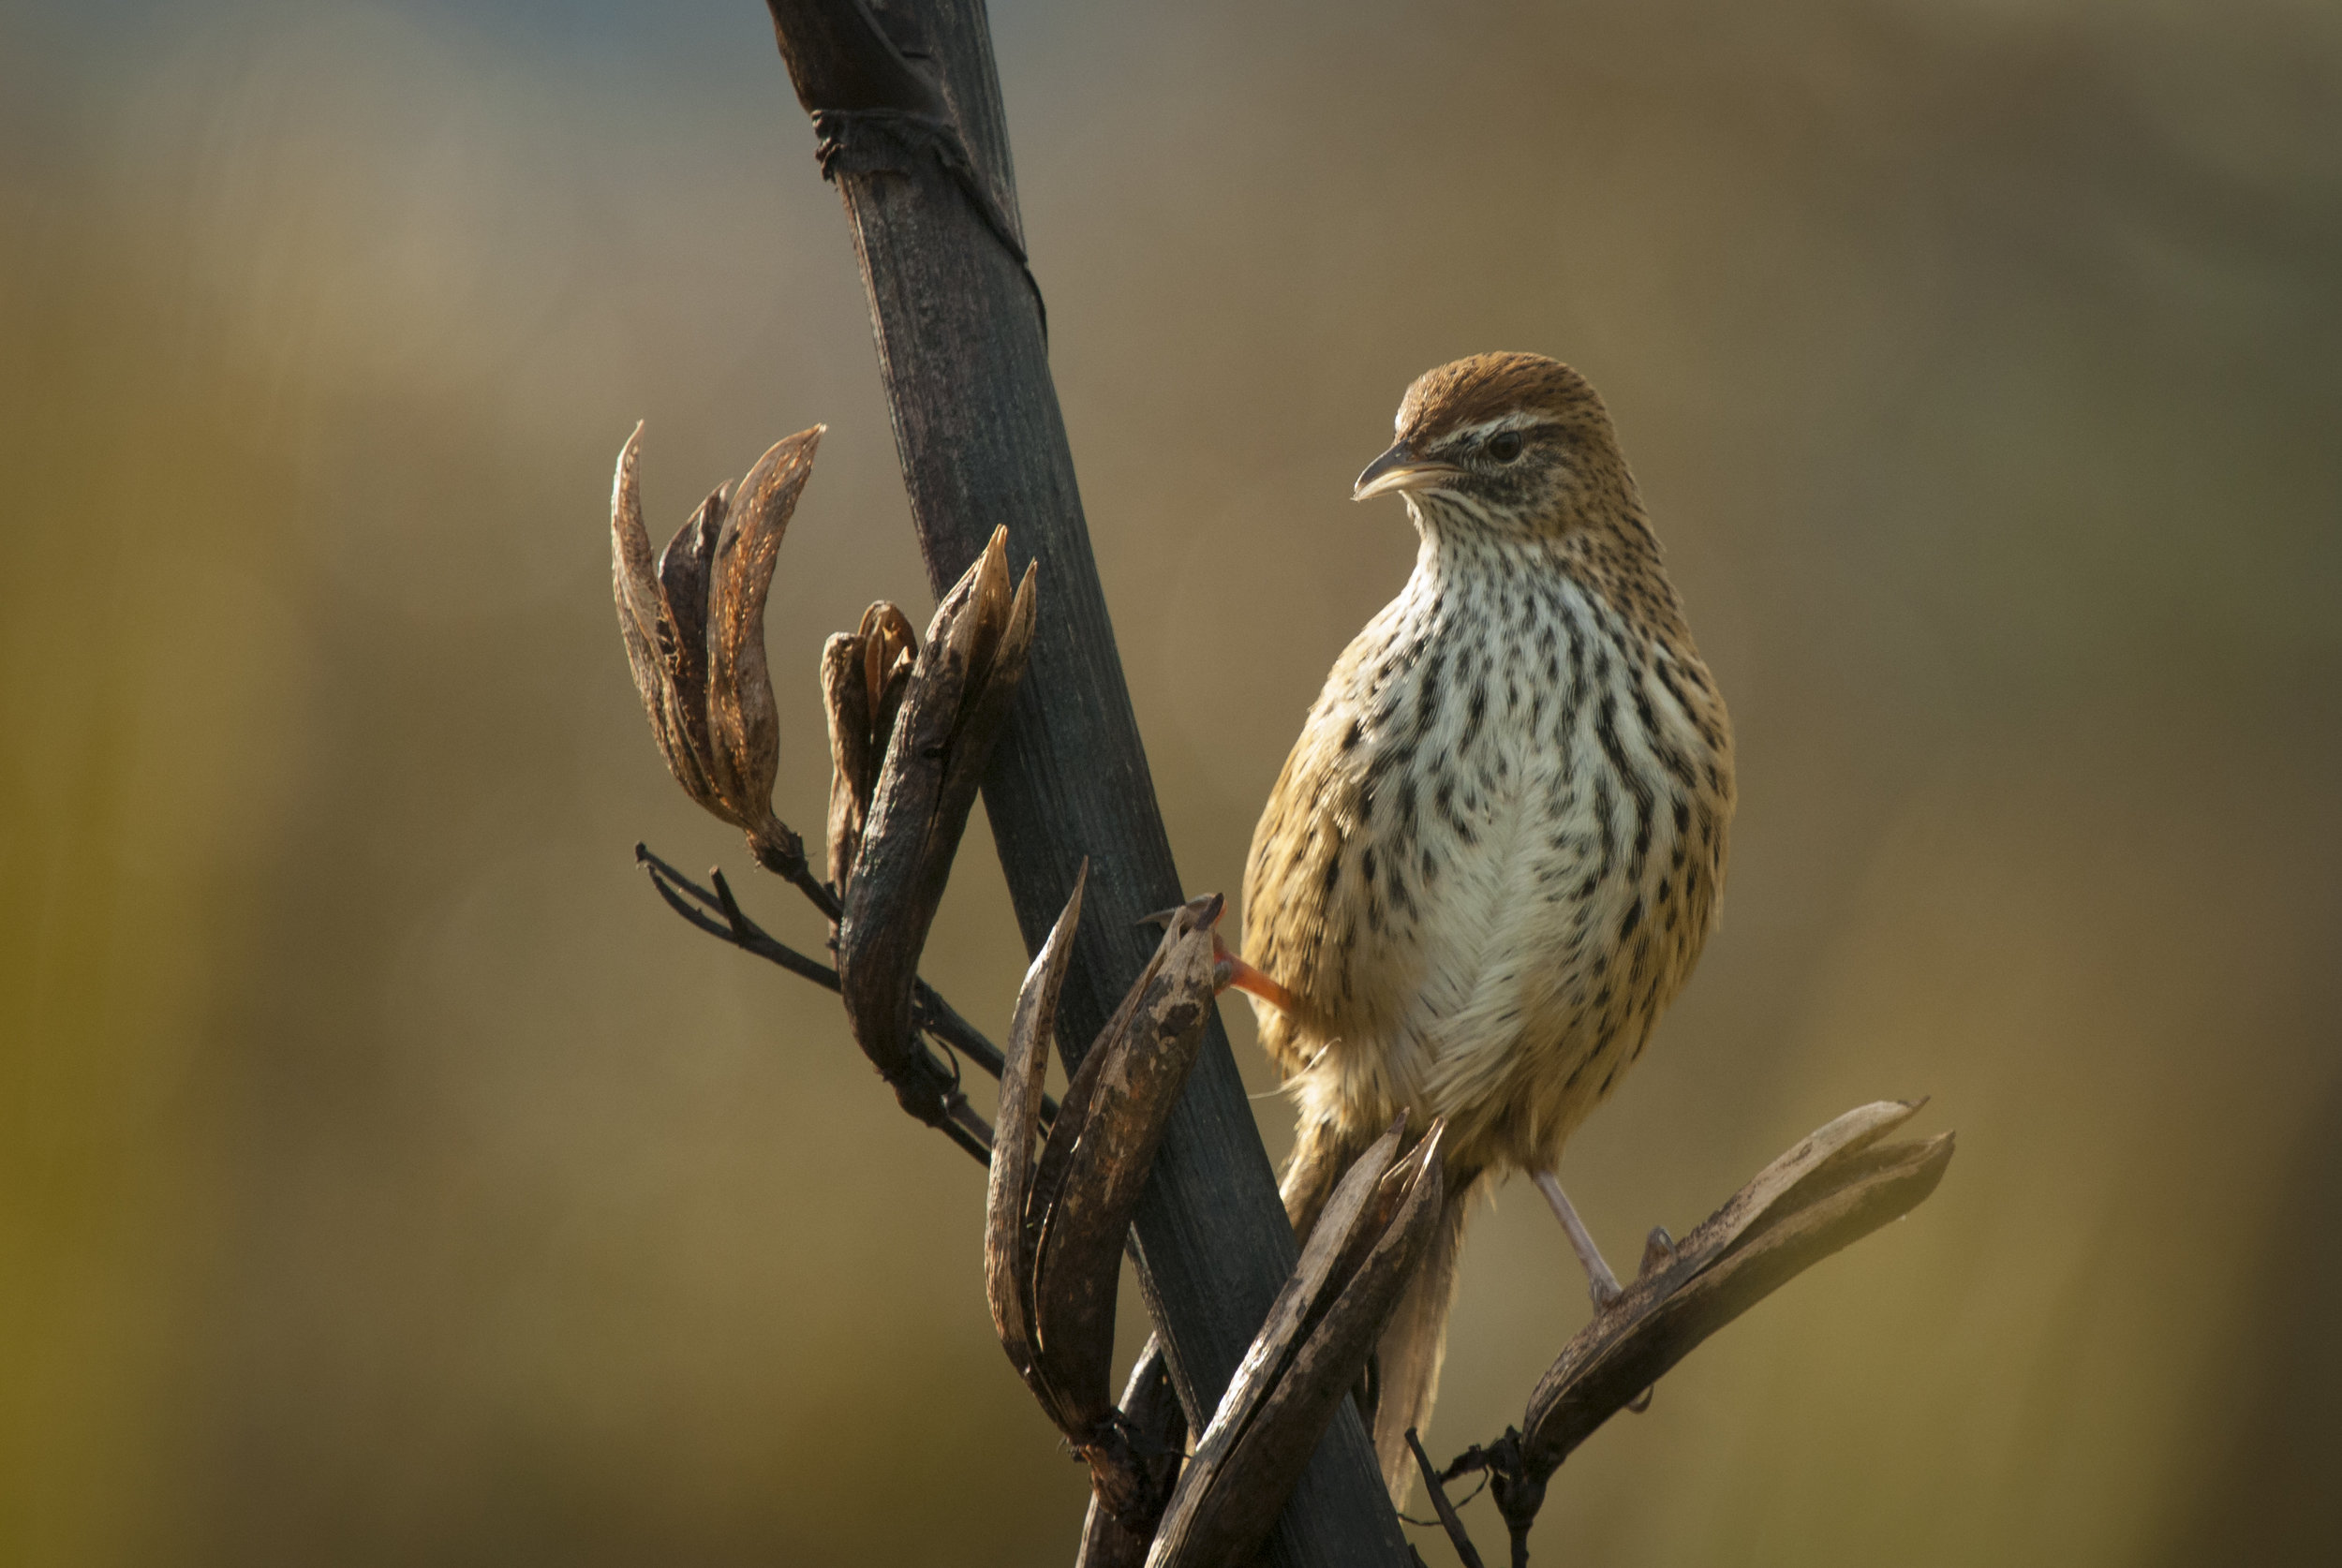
pixel 1835 1187
pixel 934 1016
pixel 911 129
pixel 681 893
pixel 1448 1519
pixel 1157 1429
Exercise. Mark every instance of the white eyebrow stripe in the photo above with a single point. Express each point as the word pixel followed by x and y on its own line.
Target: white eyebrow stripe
pixel 1502 422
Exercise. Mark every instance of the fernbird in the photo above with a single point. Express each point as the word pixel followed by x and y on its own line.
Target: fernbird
pixel 1496 850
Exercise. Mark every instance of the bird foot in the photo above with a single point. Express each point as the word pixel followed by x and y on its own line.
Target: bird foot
pixel 1658 1251
pixel 1601 1284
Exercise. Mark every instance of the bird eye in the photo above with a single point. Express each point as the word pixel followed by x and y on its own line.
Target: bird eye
pixel 1504 445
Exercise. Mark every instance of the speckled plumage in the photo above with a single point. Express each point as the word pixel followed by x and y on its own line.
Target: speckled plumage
pixel 1496 850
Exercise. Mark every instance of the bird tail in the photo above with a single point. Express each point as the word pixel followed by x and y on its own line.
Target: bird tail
pixel 1403 1381
pixel 1414 1343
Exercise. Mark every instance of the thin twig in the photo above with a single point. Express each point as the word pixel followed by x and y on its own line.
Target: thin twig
pixel 787 861
pixel 1462 1503
pixel 938 1017
pixel 1834 1186
pixel 1519 1496
pixel 970 1132
pixel 966 1118
pixel 930 1013
pixel 735 928
pixel 963 1124
pixel 1440 1506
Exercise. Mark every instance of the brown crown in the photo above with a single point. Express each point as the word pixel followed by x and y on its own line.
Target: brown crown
pixel 1453 396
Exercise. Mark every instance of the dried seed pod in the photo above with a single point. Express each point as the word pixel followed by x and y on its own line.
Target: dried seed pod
pixel 1100 1153
pixel 651 635
pixel 864 675
pixel 1008 1237
pixel 1838 1182
pixel 1308 1355
pixel 694 623
pixel 952 706
pixel 743 723
pixel 1056 1216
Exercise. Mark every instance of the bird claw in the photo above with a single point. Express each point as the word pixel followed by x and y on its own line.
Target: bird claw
pixel 1207 908
pixel 1658 1251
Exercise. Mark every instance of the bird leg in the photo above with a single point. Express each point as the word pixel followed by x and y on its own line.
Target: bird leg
pixel 1600 1282
pixel 1229 969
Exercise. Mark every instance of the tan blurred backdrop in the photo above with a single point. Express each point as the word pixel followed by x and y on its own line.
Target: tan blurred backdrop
pixel 385 1177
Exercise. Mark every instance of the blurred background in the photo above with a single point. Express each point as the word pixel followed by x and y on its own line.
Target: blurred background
pixel 387 1177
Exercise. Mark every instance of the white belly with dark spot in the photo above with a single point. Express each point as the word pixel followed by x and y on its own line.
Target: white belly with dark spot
pixel 1506 902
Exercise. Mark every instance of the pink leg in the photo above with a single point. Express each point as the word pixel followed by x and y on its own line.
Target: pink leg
pixel 1600 1282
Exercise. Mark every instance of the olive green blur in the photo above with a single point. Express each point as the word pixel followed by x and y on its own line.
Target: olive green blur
pixel 386 1178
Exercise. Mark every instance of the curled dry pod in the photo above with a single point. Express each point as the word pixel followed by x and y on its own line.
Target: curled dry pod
pixel 864 675
pixel 1007 1237
pixel 1835 1186
pixel 952 707
pixel 1100 1153
pixel 744 726
pixel 1308 1355
pixel 1056 1217
pixel 693 624
pixel 674 703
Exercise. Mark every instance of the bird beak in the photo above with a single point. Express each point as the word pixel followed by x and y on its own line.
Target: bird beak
pixel 1397 469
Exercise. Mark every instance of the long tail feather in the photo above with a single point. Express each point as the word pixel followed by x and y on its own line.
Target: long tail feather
pixel 1412 1346
pixel 1404 1379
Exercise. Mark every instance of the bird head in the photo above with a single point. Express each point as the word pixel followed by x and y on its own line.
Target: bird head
pixel 1513 443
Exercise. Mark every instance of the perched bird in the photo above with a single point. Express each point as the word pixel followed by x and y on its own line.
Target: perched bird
pixel 1496 850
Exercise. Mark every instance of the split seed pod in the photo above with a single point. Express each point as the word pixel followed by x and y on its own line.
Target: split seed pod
pixel 693 621
pixel 953 704
pixel 864 675
pixel 1055 1220
pixel 1838 1182
pixel 1308 1354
